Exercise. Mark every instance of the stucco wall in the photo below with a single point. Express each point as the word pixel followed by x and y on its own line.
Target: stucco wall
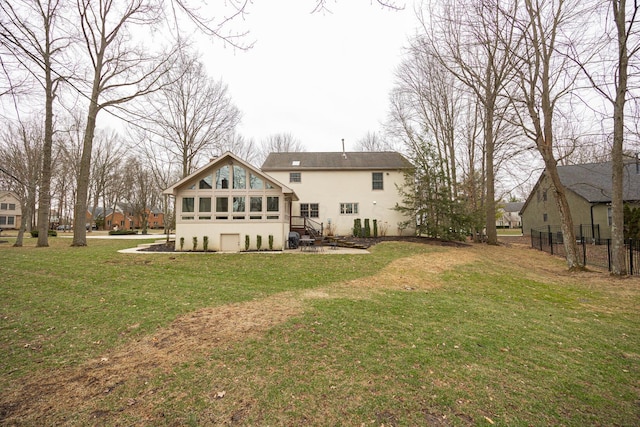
pixel 330 188
pixel 188 231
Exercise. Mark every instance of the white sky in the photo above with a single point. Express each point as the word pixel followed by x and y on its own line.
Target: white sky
pixel 321 77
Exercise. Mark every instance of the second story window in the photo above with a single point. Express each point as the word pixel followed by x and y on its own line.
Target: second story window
pixel 295 177
pixel 377 181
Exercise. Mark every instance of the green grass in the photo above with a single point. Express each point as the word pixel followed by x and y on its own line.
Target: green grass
pixel 491 345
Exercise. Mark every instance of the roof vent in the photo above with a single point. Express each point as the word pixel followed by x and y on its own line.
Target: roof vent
pixel 295 163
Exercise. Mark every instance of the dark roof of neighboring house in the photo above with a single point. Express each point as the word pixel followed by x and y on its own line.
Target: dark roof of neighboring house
pixel 379 160
pixel 513 206
pixel 592 181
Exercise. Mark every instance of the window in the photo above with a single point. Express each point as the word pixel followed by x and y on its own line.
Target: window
pixel 238 204
pixel 310 210
pixel 239 178
pixel 273 204
pixel 544 217
pixel 295 177
pixel 204 204
pixel 255 182
pixel 205 183
pixel 222 204
pixel 348 208
pixel 255 204
pixel 187 204
pixel 222 177
pixel 3 220
pixel 3 206
pixel 544 195
pixel 12 206
pixel 609 216
pixel 377 181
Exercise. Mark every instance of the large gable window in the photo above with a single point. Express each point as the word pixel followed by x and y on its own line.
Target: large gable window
pixel 206 183
pixel 239 178
pixel 255 182
pixel 222 177
pixel 377 181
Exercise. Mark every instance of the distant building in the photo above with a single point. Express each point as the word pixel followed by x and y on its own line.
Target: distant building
pixel 10 210
pixel 509 215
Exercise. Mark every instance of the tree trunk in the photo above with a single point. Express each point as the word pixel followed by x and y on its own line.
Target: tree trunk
pixel 44 197
pixel 492 232
pixel 618 262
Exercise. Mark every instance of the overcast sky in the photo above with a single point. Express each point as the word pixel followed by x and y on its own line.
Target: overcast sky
pixel 321 77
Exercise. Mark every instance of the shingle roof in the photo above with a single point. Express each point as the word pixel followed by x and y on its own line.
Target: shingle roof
pixel 382 160
pixel 513 206
pixel 592 181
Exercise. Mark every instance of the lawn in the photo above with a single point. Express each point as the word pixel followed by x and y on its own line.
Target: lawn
pixel 410 334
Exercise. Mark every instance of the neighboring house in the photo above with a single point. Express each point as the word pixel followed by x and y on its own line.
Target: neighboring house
pixel 228 201
pixel 123 218
pixel 589 196
pixel 336 188
pixel 10 210
pixel 509 215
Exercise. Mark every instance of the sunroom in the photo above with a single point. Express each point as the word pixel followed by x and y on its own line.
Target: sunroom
pixel 230 206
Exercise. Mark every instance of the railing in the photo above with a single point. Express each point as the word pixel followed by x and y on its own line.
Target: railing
pixel 594 251
pixel 313 228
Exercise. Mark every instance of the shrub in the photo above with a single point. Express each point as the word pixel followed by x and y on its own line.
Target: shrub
pixel 51 233
pixel 367 228
pixel 246 242
pixel 270 242
pixel 375 228
pixel 258 241
pixel 195 243
pixel 357 227
pixel 205 243
pixel 122 232
pixel 181 243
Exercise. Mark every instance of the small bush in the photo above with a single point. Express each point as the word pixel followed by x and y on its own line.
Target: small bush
pixel 270 242
pixel 51 233
pixel 375 228
pixel 181 243
pixel 122 232
pixel 259 241
pixel 205 243
pixel 367 228
pixel 195 243
pixel 246 242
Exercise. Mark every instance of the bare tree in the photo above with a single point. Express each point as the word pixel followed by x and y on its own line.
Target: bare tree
pixel 545 77
pixel 611 81
pixel 373 141
pixel 20 156
pixel 29 30
pixel 280 143
pixel 468 39
pixel 247 150
pixel 120 72
pixel 107 155
pixel 191 115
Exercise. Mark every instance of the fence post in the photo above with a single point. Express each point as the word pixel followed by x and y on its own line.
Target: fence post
pixel 609 254
pixel 551 241
pixel 631 257
pixel 584 251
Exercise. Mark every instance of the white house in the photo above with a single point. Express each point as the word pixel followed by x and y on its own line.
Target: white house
pixel 10 210
pixel 228 201
pixel 335 188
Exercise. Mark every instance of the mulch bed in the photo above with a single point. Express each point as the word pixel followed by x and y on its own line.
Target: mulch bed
pixel 366 242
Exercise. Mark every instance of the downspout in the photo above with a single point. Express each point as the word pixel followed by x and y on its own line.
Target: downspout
pixel 593 230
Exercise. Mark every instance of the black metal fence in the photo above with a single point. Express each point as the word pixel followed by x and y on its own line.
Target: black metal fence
pixel 594 250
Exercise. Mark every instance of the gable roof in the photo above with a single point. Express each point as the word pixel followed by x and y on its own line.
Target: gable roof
pixel 379 160
pixel 513 206
pixel 225 158
pixel 592 181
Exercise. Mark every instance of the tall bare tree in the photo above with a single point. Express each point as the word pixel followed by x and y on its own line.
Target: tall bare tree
pixel 191 116
pixel 468 38
pixel 120 72
pixel 20 156
pixel 29 30
pixel 545 77
pixel 283 142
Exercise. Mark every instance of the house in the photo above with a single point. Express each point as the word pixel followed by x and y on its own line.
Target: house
pixel 10 210
pixel 509 215
pixel 230 203
pixel 336 188
pixel 589 197
pixel 123 218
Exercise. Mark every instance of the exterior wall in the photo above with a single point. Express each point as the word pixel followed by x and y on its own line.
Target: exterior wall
pixel 198 213
pixel 10 211
pixel 213 231
pixel 537 207
pixel 509 220
pixel 330 188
